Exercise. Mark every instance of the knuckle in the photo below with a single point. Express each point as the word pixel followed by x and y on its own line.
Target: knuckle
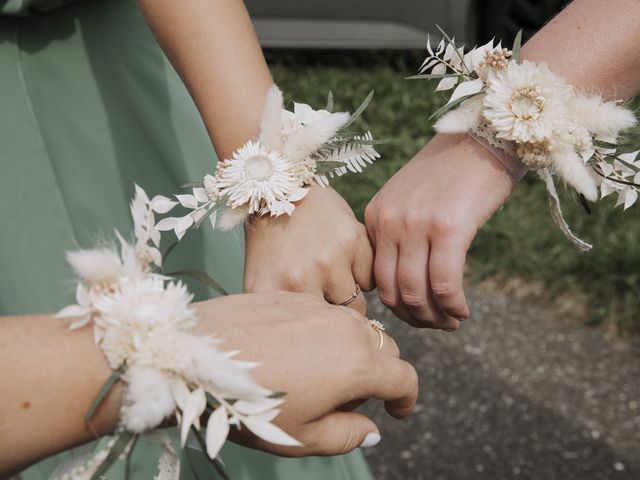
pixel 363 235
pixel 387 218
pixel 370 213
pixel 413 299
pixel 388 298
pixel 445 226
pixel 324 260
pixel 297 280
pixel 444 289
pixel 413 219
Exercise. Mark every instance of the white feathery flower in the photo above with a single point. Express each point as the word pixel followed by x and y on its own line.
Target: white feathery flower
pixel 602 119
pixel 148 399
pixel 306 130
pixel 462 119
pixel 256 177
pixel 574 171
pixel 526 102
pixel 97 266
pixel 271 123
pixel 212 368
pixel 230 218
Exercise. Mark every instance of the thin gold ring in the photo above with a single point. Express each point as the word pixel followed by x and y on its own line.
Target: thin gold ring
pixel 378 327
pixel 352 298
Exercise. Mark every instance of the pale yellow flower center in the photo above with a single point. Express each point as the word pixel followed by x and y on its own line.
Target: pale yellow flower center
pixel 497 60
pixel 258 167
pixel 534 155
pixel 103 287
pixel 527 103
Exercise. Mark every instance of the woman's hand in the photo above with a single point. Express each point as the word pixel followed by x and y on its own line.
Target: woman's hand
pixel 422 223
pixel 321 249
pixel 325 358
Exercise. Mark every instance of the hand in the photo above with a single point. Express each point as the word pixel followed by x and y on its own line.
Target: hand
pixel 422 222
pixel 325 358
pixel 321 249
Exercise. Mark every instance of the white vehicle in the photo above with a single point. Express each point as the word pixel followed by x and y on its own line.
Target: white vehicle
pixel 393 24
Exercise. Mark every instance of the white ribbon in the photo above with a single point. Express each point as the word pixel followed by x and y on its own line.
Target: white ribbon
pixel 168 463
pixel 556 211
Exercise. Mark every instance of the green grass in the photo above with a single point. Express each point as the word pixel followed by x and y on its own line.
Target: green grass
pixel 521 239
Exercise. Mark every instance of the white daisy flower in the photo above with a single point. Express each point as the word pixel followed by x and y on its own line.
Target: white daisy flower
pixel 257 178
pixel 526 102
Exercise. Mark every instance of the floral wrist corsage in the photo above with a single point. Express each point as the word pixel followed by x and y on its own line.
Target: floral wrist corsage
pixel 143 322
pixel 272 172
pixel 537 120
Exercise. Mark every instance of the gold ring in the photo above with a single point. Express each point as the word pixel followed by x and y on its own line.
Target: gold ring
pixel 352 298
pixel 378 327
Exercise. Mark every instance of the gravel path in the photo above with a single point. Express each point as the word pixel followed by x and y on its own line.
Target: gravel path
pixel 515 393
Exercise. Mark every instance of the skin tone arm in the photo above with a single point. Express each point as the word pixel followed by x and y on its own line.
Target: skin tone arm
pixel 50 376
pixel 214 48
pixel 424 219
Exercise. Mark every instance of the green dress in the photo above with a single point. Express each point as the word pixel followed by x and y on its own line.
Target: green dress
pixel 88 106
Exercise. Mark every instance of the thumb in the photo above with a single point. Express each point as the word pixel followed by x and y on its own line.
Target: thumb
pixel 342 432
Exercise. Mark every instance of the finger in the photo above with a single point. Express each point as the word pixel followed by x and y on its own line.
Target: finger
pixel 385 266
pixel 342 288
pixel 341 432
pixel 446 270
pixel 363 265
pixel 381 341
pixel 412 279
pixel 384 344
pixel 396 382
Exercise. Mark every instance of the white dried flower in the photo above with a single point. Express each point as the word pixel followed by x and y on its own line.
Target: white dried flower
pixel 256 177
pixel 526 102
pixel 305 130
pixel 604 120
pixel 148 399
pixel 574 171
pixel 97 266
pixel 211 187
pixel 139 307
pixel 462 119
pixel 534 155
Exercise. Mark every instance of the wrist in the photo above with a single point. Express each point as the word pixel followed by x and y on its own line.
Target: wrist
pixel 464 156
pixel 107 415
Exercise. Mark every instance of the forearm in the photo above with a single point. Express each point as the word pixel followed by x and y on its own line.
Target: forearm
pixel 594 45
pixel 49 377
pixel 213 46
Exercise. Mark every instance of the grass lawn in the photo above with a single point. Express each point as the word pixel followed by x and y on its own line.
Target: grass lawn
pixel 521 240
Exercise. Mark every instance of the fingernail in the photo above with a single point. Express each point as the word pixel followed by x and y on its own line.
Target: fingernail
pixel 370 440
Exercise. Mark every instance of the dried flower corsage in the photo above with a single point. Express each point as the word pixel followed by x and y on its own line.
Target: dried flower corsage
pixel 536 121
pixel 143 323
pixel 272 172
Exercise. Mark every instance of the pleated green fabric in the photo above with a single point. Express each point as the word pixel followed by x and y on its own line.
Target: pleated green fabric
pixel 88 106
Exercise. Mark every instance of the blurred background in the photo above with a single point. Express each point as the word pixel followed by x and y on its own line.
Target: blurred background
pixel 542 381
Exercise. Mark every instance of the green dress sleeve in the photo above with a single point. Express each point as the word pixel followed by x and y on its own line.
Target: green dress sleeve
pixel 21 8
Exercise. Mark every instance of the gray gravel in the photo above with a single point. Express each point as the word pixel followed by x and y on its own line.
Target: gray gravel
pixel 516 393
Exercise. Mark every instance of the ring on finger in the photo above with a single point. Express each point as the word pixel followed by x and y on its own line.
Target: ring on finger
pixel 378 327
pixel 352 298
